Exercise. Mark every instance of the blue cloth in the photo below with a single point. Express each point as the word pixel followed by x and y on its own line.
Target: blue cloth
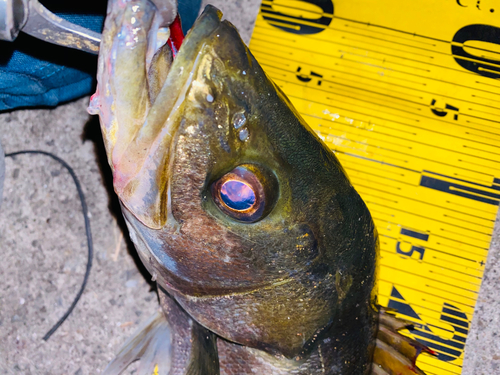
pixel 36 73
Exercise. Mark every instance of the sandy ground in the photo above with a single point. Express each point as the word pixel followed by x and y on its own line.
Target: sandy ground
pixel 43 249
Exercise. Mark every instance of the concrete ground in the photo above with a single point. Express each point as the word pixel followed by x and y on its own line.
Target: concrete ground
pixel 43 249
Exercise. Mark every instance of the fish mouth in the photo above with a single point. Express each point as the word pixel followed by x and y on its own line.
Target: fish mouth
pixel 139 128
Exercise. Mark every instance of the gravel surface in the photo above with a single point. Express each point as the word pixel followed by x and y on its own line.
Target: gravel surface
pixel 43 247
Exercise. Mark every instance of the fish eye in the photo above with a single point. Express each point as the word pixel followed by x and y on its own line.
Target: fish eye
pixel 237 195
pixel 244 193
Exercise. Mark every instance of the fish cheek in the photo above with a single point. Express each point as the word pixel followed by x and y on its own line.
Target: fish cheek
pixel 218 257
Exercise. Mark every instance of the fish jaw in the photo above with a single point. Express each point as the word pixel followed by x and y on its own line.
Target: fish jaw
pixel 137 128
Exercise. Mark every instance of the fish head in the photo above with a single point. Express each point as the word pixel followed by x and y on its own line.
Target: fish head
pixel 235 206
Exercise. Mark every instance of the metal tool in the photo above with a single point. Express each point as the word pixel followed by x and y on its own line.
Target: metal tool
pixel 34 19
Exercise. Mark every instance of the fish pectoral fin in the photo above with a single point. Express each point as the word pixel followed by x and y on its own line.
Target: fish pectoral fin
pixel 395 353
pixel 151 344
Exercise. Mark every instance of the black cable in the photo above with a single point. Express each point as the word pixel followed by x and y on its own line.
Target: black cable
pixel 87 230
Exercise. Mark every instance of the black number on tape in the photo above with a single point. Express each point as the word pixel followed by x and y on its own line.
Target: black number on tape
pixel 414 249
pixel 308 77
pixel 442 112
pixel 447 349
pixel 299 25
pixel 476 63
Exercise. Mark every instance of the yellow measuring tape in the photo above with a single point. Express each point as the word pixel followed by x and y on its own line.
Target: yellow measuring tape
pixel 407 96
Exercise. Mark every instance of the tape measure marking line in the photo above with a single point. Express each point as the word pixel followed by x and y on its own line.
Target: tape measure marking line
pixel 439 282
pixel 344 156
pixel 428 245
pixel 376 80
pixel 389 83
pixel 408 199
pixel 413 175
pixel 391 114
pixel 388 143
pixel 427 372
pixel 427 284
pixel 436 256
pixel 487 232
pixel 424 305
pixel 429 361
pixel 433 249
pixel 382 184
pixel 384 34
pixel 455 347
pixel 426 293
pixel 419 61
pixel 386 68
pixel 487 222
pixel 415 155
pixel 428 317
pixel 383 105
pixel 345 30
pixel 478 149
pixel 276 16
pixel 452 317
pixel 398 71
pixel 424 364
pixel 474 164
pixel 336 43
pixel 384 170
pixel 436 233
pixel 456 350
pixel 393 29
pixel 486 84
pixel 493 136
pixel 411 141
pixel 484 250
pixel 379 161
pixel 430 129
pixel 457 342
pixel 460 71
pixel 462 235
pixel 383 95
pixel 379 59
pixel 478 110
pixel 415 298
pixel 428 267
pixel 488 134
pixel 426 261
pixel 422 105
pixel 478 284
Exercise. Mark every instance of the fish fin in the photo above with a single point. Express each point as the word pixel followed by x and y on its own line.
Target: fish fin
pixel 195 351
pixel 151 343
pixel 395 353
